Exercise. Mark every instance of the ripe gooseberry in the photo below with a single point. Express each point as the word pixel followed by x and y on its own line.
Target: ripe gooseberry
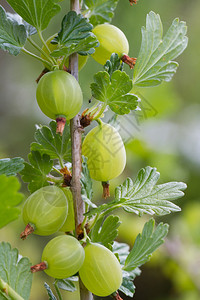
pixel 62 257
pixel 59 95
pixel 111 40
pixel 69 224
pixel 44 211
pixel 101 272
pixel 82 59
pixel 105 151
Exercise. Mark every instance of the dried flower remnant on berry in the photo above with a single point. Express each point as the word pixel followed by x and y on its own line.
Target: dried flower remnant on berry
pixel 106 191
pixel 39 267
pixel 129 61
pixel 86 119
pixel 60 125
pixel 116 296
pixel 67 177
pixel 133 2
pixel 28 230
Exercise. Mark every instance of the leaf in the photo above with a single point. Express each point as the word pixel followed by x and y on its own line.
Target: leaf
pixel 30 30
pixel 15 270
pixel 105 231
pixel 145 244
pixel 49 292
pixel 36 13
pixel 67 284
pixel 143 196
pixel 35 173
pixel 100 11
pixel 12 33
pixel 86 182
pixel 113 64
pixel 114 91
pixel 127 286
pixel 155 61
pixel 122 251
pixel 75 36
pixel 11 166
pixel 51 143
pixel 9 199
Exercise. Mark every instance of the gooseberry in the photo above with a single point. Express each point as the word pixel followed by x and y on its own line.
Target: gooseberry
pixel 62 257
pixel 111 40
pixel 105 151
pixel 82 59
pixel 45 211
pixel 101 272
pixel 59 95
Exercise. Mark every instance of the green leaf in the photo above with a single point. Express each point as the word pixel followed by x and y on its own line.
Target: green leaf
pixel 15 270
pixel 11 166
pixel 113 64
pixel 35 173
pixel 49 292
pixel 105 231
pixel 51 143
pixel 12 33
pixel 143 196
pixel 36 13
pixel 114 91
pixel 100 11
pixel 30 30
pixel 127 286
pixel 74 36
pixel 121 250
pixel 67 284
pixel 9 199
pixel 155 61
pixel 145 244
pixel 86 182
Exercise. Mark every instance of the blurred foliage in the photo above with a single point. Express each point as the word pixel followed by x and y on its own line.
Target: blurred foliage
pixel 164 134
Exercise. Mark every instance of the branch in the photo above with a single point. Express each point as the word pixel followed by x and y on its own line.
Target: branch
pixel 79 207
pixel 76 132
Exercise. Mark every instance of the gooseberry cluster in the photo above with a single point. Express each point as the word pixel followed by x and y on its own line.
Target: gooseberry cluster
pixel 46 212
pixel 83 244
pixel 50 209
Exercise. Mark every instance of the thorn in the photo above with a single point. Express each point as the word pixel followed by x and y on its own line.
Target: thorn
pixel 41 74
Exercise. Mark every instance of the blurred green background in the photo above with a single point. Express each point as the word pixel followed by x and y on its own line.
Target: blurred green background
pixel 165 135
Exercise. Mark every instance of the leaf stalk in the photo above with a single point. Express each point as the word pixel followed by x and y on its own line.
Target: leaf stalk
pixel 6 289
